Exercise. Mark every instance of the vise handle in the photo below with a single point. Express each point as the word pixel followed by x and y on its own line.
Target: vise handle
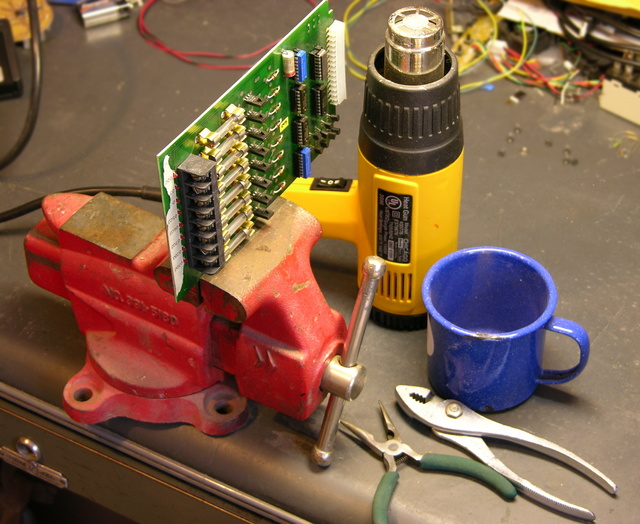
pixel 373 269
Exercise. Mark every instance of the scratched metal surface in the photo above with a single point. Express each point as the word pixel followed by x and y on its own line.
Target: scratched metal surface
pixel 111 102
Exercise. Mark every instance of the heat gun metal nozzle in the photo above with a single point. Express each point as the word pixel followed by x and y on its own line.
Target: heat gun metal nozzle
pixel 411 114
pixel 414 46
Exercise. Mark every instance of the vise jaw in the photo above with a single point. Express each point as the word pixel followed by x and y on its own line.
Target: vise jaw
pixel 260 329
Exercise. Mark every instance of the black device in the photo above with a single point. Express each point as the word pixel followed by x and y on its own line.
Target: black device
pixel 10 79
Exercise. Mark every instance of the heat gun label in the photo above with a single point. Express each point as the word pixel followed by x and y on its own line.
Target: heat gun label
pixel 394 226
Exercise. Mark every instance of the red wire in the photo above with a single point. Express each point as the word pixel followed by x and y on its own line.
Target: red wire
pixel 538 78
pixel 156 42
pixel 592 90
pixel 505 66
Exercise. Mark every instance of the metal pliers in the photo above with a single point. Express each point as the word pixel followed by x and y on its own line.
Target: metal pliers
pixel 393 451
pixel 455 422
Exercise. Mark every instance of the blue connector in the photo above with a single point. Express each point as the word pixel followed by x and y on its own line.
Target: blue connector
pixel 301 65
pixel 303 162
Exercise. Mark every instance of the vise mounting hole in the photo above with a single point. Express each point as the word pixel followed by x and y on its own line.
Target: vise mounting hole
pixel 223 402
pixel 82 394
pixel 223 406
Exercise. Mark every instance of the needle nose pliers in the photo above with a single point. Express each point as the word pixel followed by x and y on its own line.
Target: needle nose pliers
pixel 394 451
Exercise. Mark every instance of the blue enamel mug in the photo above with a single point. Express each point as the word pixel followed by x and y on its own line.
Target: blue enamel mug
pixel 489 309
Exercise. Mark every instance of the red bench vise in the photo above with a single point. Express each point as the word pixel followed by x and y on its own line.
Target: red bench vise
pixel 259 329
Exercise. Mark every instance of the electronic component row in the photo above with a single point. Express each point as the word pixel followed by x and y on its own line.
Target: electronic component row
pixel 300 65
pixel 217 215
pixel 308 98
pixel 296 66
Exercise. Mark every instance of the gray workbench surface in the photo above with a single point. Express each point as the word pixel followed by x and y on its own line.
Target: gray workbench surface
pixel 111 102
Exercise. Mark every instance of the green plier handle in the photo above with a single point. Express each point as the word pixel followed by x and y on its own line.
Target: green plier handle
pixel 437 462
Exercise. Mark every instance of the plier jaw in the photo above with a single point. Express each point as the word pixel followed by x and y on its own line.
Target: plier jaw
pixel 392 450
pixel 453 421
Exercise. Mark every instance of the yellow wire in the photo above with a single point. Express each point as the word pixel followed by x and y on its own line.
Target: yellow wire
pixel 356 73
pixel 494 36
pixel 476 60
pixel 556 81
pixel 348 19
pixel 510 72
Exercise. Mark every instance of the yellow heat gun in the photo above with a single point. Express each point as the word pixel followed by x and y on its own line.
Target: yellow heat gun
pixel 405 204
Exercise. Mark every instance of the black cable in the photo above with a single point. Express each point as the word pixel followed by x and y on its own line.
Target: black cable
pixel 36 87
pixel 615 22
pixel 585 41
pixel 144 192
pixel 590 50
pixel 599 17
pixel 589 36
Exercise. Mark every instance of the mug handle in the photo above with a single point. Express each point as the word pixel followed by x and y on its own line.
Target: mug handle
pixel 577 333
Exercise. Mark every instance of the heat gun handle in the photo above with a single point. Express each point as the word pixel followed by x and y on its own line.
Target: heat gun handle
pixel 334 202
pixel 372 271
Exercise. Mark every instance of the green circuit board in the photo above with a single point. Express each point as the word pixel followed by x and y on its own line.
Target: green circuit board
pixel 219 176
